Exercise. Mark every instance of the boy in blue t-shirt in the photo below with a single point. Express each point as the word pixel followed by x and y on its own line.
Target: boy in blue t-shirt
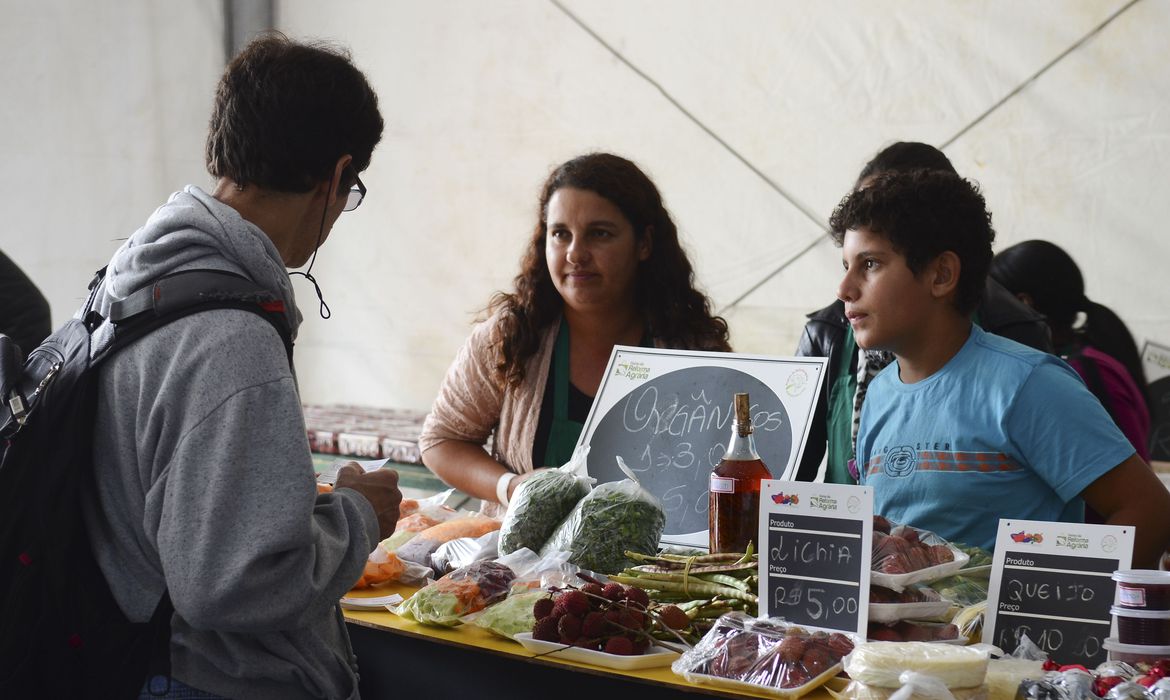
pixel 965 428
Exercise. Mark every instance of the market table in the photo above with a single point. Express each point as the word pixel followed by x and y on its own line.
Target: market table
pixel 399 658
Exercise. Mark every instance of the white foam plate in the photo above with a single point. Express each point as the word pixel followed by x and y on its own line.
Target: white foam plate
pixel 892 612
pixel 374 603
pixel 655 656
pixel 897 582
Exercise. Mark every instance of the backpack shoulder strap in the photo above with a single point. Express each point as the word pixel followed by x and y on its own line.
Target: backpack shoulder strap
pixel 184 293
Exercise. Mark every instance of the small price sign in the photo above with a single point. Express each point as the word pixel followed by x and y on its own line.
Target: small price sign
pixel 815 553
pixel 1053 582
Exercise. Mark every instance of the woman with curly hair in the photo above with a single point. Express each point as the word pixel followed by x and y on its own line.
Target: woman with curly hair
pixel 603 267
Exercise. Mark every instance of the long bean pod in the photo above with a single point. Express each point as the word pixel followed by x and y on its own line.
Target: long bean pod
pixel 699 587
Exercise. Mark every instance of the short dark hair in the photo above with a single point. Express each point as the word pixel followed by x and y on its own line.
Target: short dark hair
pixel 903 156
pixel 924 213
pixel 286 111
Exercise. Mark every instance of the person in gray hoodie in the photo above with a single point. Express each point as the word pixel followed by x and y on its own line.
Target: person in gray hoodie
pixel 205 482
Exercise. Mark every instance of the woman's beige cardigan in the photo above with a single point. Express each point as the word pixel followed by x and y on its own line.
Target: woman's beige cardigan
pixel 471 406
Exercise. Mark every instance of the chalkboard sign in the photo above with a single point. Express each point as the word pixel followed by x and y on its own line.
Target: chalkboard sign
pixel 1053 582
pixel 815 562
pixel 668 414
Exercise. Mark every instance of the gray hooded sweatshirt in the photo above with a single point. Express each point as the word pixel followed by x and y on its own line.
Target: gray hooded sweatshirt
pixel 205 481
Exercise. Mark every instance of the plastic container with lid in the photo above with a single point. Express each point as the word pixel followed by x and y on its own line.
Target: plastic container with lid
pixel 1143 588
pixel 1135 653
pixel 1138 626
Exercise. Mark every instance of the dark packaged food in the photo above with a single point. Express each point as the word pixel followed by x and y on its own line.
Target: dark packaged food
pixel 768 653
pixel 1143 588
pixel 1140 626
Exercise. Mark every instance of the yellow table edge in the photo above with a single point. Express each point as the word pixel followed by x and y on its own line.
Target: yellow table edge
pixel 473 636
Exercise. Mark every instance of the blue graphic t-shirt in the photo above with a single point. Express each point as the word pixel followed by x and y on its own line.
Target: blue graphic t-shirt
pixel 1001 431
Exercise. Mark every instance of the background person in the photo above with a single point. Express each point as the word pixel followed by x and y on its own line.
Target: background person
pixel 966 427
pixel 204 481
pixel 603 267
pixel 24 311
pixel 848 373
pixel 1042 275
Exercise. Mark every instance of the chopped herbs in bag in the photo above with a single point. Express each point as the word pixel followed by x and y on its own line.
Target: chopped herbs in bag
pixel 541 502
pixel 613 518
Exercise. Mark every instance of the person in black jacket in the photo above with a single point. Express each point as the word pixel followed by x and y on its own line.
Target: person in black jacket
pixel 828 334
pixel 24 311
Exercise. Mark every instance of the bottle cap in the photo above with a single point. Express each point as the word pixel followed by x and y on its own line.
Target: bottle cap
pixel 743 416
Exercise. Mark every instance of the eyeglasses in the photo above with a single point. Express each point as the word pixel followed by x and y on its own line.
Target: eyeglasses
pixel 356 194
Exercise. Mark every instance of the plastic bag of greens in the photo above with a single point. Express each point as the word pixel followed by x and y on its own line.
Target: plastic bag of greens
pixel 459 593
pixel 542 501
pixel 614 517
pixel 962 590
pixel 534 576
pixel 513 615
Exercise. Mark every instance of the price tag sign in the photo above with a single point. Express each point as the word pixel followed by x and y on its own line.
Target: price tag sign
pixel 1053 582
pixel 815 554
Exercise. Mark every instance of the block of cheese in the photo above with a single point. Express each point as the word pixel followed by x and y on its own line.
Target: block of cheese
pixel 881 663
pixel 1004 676
pixel 861 691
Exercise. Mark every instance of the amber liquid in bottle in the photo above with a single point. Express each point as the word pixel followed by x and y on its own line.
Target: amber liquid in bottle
pixel 734 513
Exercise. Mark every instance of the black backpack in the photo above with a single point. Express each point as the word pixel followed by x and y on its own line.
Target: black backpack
pixel 62 633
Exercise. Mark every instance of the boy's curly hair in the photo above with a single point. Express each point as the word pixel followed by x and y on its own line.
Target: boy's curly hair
pixel 924 213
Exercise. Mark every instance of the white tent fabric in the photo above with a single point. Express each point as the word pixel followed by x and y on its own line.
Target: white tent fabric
pixel 753 117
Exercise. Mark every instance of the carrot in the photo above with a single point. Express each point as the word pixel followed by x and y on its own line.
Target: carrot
pixel 381 571
pixel 469 526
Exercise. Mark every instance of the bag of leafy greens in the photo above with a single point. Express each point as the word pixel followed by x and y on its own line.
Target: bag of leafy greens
pixel 463 591
pixel 614 517
pixel 542 501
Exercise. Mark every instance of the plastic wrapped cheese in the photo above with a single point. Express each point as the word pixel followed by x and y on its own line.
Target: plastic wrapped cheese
pixel 1004 676
pixel 861 691
pixel 881 663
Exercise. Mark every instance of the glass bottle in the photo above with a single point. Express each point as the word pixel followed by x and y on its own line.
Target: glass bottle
pixel 734 513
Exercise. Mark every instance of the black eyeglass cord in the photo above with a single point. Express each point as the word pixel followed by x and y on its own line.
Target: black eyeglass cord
pixel 308 274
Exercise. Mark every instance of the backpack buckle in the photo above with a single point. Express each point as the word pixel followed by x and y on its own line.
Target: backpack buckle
pixel 17 407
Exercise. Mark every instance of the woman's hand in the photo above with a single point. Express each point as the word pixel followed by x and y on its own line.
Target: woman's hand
pixel 468 467
pixel 521 478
